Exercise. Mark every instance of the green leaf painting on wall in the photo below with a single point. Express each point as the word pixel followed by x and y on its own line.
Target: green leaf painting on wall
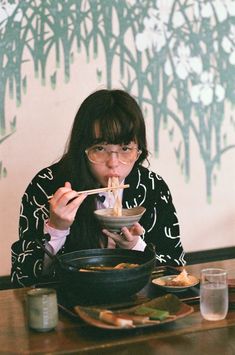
pixel 171 54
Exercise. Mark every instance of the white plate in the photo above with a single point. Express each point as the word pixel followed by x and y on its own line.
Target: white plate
pixel 160 281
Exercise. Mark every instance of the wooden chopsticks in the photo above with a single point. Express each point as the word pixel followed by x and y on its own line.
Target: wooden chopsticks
pixel 97 191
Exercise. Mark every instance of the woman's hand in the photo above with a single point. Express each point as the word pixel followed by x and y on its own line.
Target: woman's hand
pixel 63 212
pixel 128 238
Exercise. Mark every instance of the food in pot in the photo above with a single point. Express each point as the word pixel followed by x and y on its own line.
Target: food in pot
pixel 125 266
pixel 103 267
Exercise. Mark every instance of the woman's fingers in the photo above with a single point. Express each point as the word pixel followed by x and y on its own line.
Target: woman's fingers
pixel 111 243
pixel 137 229
pixel 63 194
pixel 72 206
pixel 67 184
pixel 124 239
pixel 63 206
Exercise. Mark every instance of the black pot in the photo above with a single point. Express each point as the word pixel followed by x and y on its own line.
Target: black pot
pixel 108 284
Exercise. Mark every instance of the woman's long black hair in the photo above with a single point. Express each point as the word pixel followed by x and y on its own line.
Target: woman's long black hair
pixel 119 120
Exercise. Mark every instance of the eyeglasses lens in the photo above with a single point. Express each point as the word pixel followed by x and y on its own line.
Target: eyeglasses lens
pixel 101 155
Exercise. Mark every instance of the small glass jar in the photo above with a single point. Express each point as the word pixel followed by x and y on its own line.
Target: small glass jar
pixel 42 309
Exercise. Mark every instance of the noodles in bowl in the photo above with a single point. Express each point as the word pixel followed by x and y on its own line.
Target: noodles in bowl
pixel 115 223
pixel 116 217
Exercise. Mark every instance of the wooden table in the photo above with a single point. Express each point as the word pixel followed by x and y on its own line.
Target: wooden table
pixel 189 335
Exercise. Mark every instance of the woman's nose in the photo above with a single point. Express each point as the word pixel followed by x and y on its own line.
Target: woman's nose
pixel 113 159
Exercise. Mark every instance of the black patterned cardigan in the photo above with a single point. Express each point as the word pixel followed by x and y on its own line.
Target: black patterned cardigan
pixel 146 188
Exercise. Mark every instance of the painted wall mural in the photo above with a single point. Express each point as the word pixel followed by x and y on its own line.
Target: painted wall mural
pixel 184 57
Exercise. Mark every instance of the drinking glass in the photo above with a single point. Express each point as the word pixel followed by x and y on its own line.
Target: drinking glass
pixel 213 294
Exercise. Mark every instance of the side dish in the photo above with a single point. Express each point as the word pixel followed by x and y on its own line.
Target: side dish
pixel 182 279
pixel 176 282
pixel 153 313
pixel 164 309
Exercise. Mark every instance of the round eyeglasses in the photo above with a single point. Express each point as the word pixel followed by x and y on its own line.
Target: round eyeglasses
pixel 99 154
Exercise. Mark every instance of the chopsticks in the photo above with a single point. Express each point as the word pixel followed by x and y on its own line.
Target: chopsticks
pixel 97 191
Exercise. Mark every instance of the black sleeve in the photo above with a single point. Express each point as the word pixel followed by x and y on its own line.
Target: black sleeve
pixel 27 257
pixel 160 220
pixel 162 226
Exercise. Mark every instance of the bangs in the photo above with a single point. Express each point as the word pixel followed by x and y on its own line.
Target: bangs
pixel 107 116
pixel 113 130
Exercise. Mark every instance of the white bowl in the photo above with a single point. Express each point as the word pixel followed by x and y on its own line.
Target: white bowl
pixel 160 282
pixel 115 223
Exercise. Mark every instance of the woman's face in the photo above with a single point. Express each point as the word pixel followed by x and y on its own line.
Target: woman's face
pixel 111 165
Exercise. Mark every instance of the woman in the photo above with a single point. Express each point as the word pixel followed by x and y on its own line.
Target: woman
pixel 108 139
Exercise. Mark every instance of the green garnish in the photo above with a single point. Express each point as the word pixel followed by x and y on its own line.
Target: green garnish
pixel 152 313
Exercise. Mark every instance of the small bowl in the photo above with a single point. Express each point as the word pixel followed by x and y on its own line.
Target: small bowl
pixel 160 282
pixel 115 223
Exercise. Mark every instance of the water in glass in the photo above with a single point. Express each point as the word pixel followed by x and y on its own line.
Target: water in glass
pixel 214 294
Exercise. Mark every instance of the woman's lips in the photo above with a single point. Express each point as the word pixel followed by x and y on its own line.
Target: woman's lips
pixel 112 175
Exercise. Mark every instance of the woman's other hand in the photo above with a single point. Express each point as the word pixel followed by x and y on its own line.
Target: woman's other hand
pixel 63 207
pixel 128 238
